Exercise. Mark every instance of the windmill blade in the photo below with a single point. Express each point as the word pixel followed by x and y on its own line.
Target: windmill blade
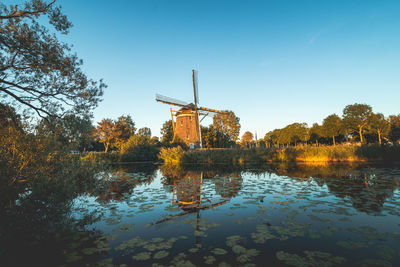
pixel 170 101
pixel 209 110
pixel 195 75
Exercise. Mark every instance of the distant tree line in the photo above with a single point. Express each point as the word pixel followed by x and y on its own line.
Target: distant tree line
pixel 357 124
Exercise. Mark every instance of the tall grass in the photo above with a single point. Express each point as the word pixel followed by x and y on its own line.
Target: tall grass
pixel 339 153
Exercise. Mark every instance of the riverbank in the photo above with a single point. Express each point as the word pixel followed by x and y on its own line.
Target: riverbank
pixel 339 153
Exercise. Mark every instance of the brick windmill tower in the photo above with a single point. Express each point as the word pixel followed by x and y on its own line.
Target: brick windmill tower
pixel 186 126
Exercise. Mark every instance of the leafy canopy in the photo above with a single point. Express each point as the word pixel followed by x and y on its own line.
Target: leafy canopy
pixel 37 71
pixel 332 126
pixel 227 123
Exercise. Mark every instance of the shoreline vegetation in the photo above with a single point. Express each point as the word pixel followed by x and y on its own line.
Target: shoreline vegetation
pixel 301 153
pixel 238 156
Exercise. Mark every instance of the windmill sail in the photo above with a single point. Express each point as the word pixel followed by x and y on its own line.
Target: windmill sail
pixel 196 86
pixel 211 110
pixel 170 101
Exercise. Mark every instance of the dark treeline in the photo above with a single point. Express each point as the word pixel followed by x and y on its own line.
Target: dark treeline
pixel 357 125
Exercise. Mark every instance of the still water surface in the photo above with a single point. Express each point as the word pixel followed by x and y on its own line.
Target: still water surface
pixel 273 215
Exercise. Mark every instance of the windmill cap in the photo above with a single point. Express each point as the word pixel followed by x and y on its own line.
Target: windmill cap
pixel 190 106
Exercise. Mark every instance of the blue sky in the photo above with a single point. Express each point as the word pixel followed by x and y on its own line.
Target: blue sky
pixel 271 62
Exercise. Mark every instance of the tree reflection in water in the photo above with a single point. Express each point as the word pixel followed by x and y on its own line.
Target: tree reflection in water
pixel 39 219
pixel 366 186
pixel 37 225
pixel 120 181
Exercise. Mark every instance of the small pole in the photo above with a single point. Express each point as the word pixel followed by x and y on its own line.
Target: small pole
pixel 173 124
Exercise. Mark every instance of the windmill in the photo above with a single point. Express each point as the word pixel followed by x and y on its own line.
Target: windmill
pixel 186 126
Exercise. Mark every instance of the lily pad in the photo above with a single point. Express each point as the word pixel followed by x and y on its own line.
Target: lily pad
pixel 142 256
pixel 161 254
pixel 209 259
pixel 219 251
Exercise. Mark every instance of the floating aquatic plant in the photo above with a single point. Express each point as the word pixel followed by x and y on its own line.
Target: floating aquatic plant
pixel 311 258
pixel 209 259
pixel 219 251
pixel 160 254
pixel 142 256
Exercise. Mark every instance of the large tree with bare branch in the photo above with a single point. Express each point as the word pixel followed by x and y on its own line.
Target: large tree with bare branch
pixel 37 71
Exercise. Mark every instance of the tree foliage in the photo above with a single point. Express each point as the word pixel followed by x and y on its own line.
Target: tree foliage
pixel 139 147
pixel 167 133
pixel 70 132
pixel 38 71
pixel 145 131
pixel 115 133
pixel 316 133
pixel 247 139
pixel 394 133
pixel 379 125
pixel 227 123
pixel 213 138
pixel 332 126
pixel 356 117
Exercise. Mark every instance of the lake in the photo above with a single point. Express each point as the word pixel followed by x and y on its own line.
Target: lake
pixel 276 215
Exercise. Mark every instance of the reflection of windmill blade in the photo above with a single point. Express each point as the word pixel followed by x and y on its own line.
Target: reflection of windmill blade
pixel 170 101
pixel 170 217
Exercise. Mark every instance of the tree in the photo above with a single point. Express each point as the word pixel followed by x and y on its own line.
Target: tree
pixel 332 126
pixel 394 133
pixel 38 71
pixel 227 123
pixel 124 129
pixel 167 133
pixel 213 138
pixel 273 137
pixel 315 133
pixel 105 133
pixel 379 125
pixel 356 117
pixel 145 131
pixel 139 147
pixel 70 131
pixel 247 138
pixel 297 132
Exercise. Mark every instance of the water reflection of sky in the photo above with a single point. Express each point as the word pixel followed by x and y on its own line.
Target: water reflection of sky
pixel 275 217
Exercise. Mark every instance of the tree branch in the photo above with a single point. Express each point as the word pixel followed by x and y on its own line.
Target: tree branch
pixel 37 109
pixel 16 14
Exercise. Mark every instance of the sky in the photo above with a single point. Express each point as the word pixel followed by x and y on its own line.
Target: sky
pixel 271 62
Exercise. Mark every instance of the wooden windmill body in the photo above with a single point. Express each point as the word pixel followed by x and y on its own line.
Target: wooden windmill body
pixel 186 125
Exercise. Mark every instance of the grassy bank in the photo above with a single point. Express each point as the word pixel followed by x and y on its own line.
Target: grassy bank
pixel 141 154
pixel 342 153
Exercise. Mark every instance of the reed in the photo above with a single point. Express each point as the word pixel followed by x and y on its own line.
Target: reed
pixel 339 153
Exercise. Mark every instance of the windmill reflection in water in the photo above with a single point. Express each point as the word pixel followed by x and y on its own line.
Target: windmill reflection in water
pixel 188 195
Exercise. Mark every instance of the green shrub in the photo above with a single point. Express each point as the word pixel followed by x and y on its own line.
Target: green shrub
pixel 138 148
pixel 171 155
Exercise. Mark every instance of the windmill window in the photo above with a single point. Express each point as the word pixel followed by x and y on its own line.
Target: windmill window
pixel 181 123
pixel 190 118
pixel 187 136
